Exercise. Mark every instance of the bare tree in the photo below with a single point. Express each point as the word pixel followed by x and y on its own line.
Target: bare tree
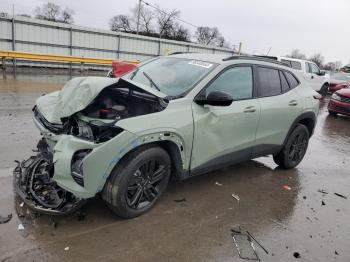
pixel 180 33
pixel 318 59
pixel 67 16
pixel 207 35
pixel 146 18
pixel 297 54
pixel 165 21
pixel 48 11
pixel 120 23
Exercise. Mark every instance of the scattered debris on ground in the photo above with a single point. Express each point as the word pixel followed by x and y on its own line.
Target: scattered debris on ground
pixel 296 255
pixel 5 219
pixel 180 200
pixel 22 204
pixel 323 203
pixel 287 187
pixel 218 184
pixel 244 242
pixel 22 230
pixel 66 248
pixel 304 197
pixel 322 191
pixel 336 253
pixel 340 195
pixel 235 197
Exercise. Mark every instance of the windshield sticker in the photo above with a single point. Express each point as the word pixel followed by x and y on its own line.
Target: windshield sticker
pixel 200 63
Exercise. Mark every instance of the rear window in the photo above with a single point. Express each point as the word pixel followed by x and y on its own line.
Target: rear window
pixel 269 82
pixel 296 65
pixel 287 62
pixel 293 82
pixel 284 83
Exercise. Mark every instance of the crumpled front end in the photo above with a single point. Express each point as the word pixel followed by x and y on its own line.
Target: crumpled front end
pixel 33 181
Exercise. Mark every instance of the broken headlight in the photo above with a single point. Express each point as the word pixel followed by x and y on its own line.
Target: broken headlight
pixel 77 165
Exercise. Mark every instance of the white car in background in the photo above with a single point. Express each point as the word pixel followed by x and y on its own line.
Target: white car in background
pixel 317 79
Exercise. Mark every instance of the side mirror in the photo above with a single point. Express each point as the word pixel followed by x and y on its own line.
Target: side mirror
pixel 322 73
pixel 216 98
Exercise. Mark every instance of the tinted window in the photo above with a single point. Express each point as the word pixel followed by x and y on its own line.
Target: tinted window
pixel 293 82
pixel 284 83
pixel 287 62
pixel 237 81
pixel 296 65
pixel 269 82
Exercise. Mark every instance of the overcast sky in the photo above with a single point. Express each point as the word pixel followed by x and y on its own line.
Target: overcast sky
pixel 309 25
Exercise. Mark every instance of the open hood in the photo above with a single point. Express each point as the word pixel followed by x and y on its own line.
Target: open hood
pixel 79 92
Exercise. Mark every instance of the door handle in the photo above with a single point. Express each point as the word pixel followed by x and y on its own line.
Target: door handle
pixel 293 103
pixel 312 77
pixel 249 109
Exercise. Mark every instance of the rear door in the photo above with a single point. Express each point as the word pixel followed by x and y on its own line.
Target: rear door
pixel 313 76
pixel 226 134
pixel 280 105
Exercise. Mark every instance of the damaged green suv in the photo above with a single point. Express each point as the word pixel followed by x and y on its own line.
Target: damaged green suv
pixel 172 117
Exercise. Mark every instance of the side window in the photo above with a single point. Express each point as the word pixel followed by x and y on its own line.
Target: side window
pixel 269 82
pixel 236 81
pixel 296 65
pixel 284 83
pixel 287 62
pixel 314 69
pixel 293 82
pixel 307 67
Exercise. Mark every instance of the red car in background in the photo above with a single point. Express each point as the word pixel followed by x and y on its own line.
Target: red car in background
pixel 339 81
pixel 119 68
pixel 340 102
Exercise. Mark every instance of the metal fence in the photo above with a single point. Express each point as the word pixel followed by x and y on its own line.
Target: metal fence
pixel 33 35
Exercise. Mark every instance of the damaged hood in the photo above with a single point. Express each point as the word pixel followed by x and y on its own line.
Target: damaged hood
pixel 78 93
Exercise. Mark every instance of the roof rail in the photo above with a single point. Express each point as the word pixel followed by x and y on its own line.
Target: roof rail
pixel 178 53
pixel 269 59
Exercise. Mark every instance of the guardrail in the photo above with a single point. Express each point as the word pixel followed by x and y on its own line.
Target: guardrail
pixel 61 58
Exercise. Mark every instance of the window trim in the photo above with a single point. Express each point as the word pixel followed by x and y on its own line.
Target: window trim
pixel 201 93
pixel 257 84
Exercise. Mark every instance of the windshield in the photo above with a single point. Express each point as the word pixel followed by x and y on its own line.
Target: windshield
pixel 172 76
pixel 341 76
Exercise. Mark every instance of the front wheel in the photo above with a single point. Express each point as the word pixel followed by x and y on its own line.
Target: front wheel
pixel 138 181
pixel 324 90
pixel 295 148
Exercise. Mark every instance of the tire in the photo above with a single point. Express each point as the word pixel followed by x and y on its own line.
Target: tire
pixel 332 113
pixel 324 90
pixel 295 148
pixel 132 189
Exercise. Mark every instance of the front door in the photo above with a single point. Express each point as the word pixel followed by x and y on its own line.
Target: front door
pixel 226 134
pixel 313 76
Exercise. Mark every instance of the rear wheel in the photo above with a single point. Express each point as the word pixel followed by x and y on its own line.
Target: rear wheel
pixel 138 181
pixel 295 148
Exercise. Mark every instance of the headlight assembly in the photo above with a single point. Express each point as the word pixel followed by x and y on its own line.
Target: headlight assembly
pixel 335 96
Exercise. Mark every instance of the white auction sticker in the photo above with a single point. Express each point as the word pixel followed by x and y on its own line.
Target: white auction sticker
pixel 200 63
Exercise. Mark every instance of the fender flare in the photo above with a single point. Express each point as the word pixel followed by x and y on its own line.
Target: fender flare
pixel 304 116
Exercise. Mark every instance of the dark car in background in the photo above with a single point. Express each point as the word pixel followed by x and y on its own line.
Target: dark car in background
pixel 340 102
pixel 339 81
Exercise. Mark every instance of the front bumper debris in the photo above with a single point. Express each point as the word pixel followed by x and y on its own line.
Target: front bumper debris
pixel 34 184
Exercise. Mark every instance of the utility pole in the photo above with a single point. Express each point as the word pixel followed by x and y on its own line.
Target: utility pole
pixel 138 18
pixel 240 48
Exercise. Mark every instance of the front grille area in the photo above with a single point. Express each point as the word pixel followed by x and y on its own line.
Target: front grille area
pixel 54 128
pixel 344 99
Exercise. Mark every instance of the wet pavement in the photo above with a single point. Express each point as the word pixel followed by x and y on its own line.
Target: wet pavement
pixel 196 228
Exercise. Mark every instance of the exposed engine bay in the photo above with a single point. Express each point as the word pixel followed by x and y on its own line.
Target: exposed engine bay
pixel 97 121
